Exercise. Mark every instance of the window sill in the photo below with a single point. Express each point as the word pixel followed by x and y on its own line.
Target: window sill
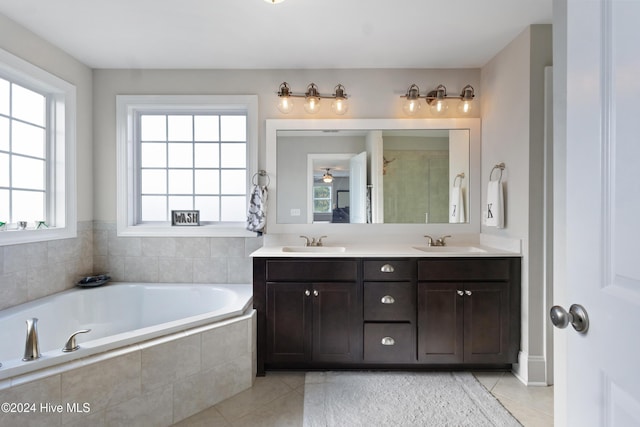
pixel 17 237
pixel 184 231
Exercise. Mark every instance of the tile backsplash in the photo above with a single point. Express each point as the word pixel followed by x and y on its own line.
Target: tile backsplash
pixel 33 270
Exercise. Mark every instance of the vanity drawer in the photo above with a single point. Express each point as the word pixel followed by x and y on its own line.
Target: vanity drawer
pixel 463 269
pixel 312 270
pixel 393 269
pixel 391 301
pixel 389 342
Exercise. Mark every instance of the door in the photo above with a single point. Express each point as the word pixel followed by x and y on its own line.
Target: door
pixel 288 322
pixel 358 188
pixel 600 227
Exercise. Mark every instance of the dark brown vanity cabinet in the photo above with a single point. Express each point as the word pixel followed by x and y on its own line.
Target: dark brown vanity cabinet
pixel 468 311
pixel 313 312
pixel 360 313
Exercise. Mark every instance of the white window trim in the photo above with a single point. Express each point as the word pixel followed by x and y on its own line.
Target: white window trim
pixel 126 107
pixel 62 153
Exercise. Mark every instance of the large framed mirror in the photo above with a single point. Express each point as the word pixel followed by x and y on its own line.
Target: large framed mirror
pixel 343 175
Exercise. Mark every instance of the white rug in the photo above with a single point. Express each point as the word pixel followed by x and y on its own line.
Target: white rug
pixel 400 399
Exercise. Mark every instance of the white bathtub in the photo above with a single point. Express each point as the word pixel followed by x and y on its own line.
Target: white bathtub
pixel 118 314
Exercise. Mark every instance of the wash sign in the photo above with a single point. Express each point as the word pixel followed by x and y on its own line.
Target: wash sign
pixel 185 217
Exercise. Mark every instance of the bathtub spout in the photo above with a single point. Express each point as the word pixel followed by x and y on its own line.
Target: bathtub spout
pixel 31 347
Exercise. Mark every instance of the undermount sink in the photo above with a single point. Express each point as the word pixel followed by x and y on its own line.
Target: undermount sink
pixel 315 249
pixel 450 249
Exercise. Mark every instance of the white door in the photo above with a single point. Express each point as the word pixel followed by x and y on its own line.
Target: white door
pixel 598 373
pixel 358 188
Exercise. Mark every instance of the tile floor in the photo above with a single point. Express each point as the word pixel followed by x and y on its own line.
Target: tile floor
pixel 276 400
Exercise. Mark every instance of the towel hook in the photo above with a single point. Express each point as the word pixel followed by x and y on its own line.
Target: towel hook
pixel 461 176
pixel 499 166
pixel 255 178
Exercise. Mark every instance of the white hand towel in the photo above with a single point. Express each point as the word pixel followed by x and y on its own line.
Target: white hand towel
pixel 495 206
pixel 456 212
pixel 257 212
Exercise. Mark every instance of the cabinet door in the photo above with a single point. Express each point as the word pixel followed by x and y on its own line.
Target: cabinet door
pixel 440 322
pixel 486 322
pixel 337 323
pixel 288 322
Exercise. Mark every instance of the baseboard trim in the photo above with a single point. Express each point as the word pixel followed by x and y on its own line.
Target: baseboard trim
pixel 531 370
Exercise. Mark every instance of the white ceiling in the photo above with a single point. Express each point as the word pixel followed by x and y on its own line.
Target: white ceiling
pixel 293 34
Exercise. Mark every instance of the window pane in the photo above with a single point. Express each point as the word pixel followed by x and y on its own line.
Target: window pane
pixel 233 182
pixel 4 206
pixel 4 173
pixel 180 128
pixel 180 203
pixel 180 182
pixel 153 181
pixel 209 208
pixel 207 155
pixel 27 173
pixel 28 206
pixel 321 192
pixel 153 128
pixel 234 208
pixel 207 182
pixel 154 208
pixel 4 134
pixel 4 97
pixel 27 139
pixel 153 155
pixel 234 128
pixel 234 155
pixel 180 155
pixel 28 105
pixel 206 128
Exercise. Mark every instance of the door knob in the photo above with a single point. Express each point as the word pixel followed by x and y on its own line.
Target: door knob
pixel 577 316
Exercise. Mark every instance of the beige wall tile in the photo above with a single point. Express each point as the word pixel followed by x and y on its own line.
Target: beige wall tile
pixel 43 391
pixel 165 363
pixel 222 345
pixel 153 408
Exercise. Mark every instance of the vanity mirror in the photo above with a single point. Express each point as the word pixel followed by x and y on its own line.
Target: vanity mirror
pixel 375 172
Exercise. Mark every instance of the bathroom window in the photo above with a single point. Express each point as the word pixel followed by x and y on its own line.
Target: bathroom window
pixel 322 199
pixel 37 154
pixel 185 153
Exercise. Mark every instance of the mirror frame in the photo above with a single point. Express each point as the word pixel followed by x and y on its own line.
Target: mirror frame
pixel 472 124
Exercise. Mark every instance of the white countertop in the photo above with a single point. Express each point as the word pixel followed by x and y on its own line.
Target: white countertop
pixel 401 250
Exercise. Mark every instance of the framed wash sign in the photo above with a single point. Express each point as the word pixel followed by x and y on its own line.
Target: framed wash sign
pixel 185 218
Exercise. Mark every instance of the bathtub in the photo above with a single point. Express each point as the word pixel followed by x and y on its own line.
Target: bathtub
pixel 187 322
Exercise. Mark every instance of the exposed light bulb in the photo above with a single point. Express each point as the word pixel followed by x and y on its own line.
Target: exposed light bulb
pixel 339 105
pixel 285 105
pixel 464 107
pixel 312 99
pixel 437 100
pixel 466 97
pixel 439 106
pixel 411 107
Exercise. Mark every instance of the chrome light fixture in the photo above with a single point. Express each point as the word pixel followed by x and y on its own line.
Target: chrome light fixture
pixel 312 98
pixel 437 100
pixel 327 177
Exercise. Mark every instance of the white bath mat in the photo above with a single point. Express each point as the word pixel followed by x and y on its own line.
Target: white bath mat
pixel 400 399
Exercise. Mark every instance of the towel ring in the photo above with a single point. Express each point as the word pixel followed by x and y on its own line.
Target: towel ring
pixel 499 166
pixel 461 176
pixel 255 178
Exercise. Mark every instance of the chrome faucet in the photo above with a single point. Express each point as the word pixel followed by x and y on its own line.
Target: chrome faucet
pixel 436 242
pixel 312 241
pixel 31 346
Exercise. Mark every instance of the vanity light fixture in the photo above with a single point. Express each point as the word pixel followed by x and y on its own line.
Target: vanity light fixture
pixel 437 100
pixel 327 177
pixel 312 99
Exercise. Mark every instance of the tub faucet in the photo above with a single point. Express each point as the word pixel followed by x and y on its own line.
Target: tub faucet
pixel 31 346
pixel 71 344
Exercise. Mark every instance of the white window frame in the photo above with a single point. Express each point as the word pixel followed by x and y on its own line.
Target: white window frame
pixel 127 106
pixel 61 150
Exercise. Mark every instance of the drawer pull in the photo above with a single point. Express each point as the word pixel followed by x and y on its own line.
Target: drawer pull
pixel 315 293
pixel 468 293
pixel 388 341
pixel 387 268
pixel 307 292
pixel 461 293
pixel 387 299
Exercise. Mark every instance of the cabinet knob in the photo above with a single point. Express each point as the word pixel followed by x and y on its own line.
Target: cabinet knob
pixel 307 292
pixel 387 299
pixel 315 293
pixel 461 293
pixel 387 268
pixel 468 293
pixel 388 341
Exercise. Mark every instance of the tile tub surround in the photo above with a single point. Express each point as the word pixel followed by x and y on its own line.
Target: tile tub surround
pixel 158 382
pixel 34 270
pixel 172 259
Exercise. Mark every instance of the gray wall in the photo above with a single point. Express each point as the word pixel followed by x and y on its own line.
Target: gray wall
pixel 513 133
